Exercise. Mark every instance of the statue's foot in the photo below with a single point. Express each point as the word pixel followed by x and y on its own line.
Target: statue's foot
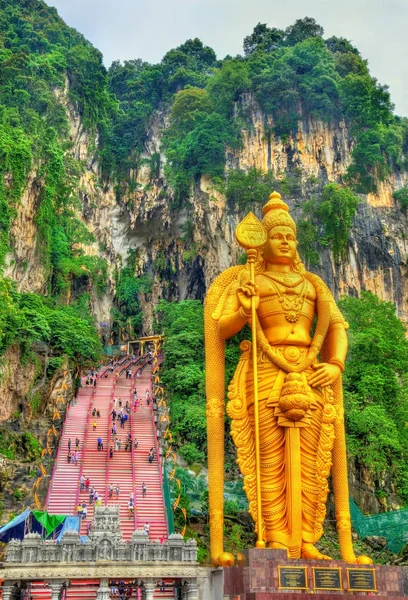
pixel 312 553
pixel 225 559
pixel 364 560
pixel 276 546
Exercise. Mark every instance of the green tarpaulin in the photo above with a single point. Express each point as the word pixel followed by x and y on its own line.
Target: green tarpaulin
pixel 393 526
pixel 49 522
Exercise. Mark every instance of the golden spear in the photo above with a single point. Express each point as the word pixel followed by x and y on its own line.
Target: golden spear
pixel 251 235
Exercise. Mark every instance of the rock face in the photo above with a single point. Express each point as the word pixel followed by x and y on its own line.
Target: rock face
pixel 15 382
pixel 24 264
pixel 146 222
pixel 19 382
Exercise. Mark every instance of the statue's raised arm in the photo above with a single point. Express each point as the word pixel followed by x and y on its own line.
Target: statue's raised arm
pixel 285 399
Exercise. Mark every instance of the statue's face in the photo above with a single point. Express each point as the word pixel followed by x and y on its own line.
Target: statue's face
pixel 280 247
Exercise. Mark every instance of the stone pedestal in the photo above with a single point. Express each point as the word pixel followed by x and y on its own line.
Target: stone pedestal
pixel 256 577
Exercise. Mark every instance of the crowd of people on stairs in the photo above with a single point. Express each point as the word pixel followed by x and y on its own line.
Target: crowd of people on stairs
pixel 120 417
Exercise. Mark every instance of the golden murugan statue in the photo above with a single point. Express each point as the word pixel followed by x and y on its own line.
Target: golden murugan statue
pixel 285 399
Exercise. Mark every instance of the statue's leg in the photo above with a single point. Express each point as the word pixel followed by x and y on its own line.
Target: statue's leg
pixel 272 453
pixel 314 449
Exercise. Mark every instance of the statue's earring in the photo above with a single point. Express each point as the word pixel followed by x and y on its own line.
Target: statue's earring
pixel 259 263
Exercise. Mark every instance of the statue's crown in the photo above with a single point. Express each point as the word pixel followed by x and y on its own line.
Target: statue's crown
pixel 276 212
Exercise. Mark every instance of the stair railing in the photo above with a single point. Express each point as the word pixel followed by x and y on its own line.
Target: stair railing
pixel 167 499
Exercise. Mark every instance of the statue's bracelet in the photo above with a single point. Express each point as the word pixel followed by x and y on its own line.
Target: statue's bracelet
pixel 339 363
pixel 243 313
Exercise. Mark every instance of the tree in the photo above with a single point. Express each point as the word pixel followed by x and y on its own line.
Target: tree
pixel 227 84
pixel 333 213
pixel 189 106
pixel 246 189
pixel 375 379
pixel 263 39
pixel 341 45
pixel 301 30
pixel 401 196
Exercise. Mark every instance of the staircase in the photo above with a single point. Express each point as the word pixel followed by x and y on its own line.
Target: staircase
pixel 151 508
pixel 120 469
pixel 94 462
pixel 128 469
pixel 82 589
pixel 38 590
pixel 62 492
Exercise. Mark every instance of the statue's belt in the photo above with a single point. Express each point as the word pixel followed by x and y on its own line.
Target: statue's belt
pixel 291 398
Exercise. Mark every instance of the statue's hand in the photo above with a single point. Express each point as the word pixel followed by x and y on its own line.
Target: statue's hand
pixel 244 293
pixel 325 374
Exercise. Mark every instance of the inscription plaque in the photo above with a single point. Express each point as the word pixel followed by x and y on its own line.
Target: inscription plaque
pixel 292 578
pixel 361 580
pixel 327 578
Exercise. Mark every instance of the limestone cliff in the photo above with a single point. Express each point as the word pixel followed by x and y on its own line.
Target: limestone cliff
pixel 145 220
pixel 15 382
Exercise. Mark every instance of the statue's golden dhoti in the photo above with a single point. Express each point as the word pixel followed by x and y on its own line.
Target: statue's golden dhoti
pixel 295 456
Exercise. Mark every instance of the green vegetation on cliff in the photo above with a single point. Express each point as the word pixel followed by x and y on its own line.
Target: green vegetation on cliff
pixel 40 58
pixel 43 64
pixel 201 105
pixel 293 74
pixel 183 374
pixel 27 318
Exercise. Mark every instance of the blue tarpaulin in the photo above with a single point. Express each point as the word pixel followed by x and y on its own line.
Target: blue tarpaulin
pixel 16 528
pixel 70 523
pixel 25 523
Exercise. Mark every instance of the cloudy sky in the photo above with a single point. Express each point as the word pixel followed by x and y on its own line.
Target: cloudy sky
pixel 147 29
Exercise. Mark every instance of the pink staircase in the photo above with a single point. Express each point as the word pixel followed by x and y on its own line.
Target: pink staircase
pixel 120 470
pixel 128 469
pixel 38 590
pixel 62 492
pixel 94 462
pixel 151 508
pixel 82 589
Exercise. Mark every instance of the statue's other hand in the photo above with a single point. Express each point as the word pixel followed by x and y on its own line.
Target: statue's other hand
pixel 325 374
pixel 245 292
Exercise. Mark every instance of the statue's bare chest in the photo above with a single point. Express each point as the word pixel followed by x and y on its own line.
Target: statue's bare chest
pixel 289 298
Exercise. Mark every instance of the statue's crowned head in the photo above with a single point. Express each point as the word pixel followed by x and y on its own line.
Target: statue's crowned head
pixel 276 215
pixel 276 212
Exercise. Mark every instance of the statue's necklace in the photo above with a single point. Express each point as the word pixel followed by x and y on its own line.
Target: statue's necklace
pixel 289 280
pixel 291 303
